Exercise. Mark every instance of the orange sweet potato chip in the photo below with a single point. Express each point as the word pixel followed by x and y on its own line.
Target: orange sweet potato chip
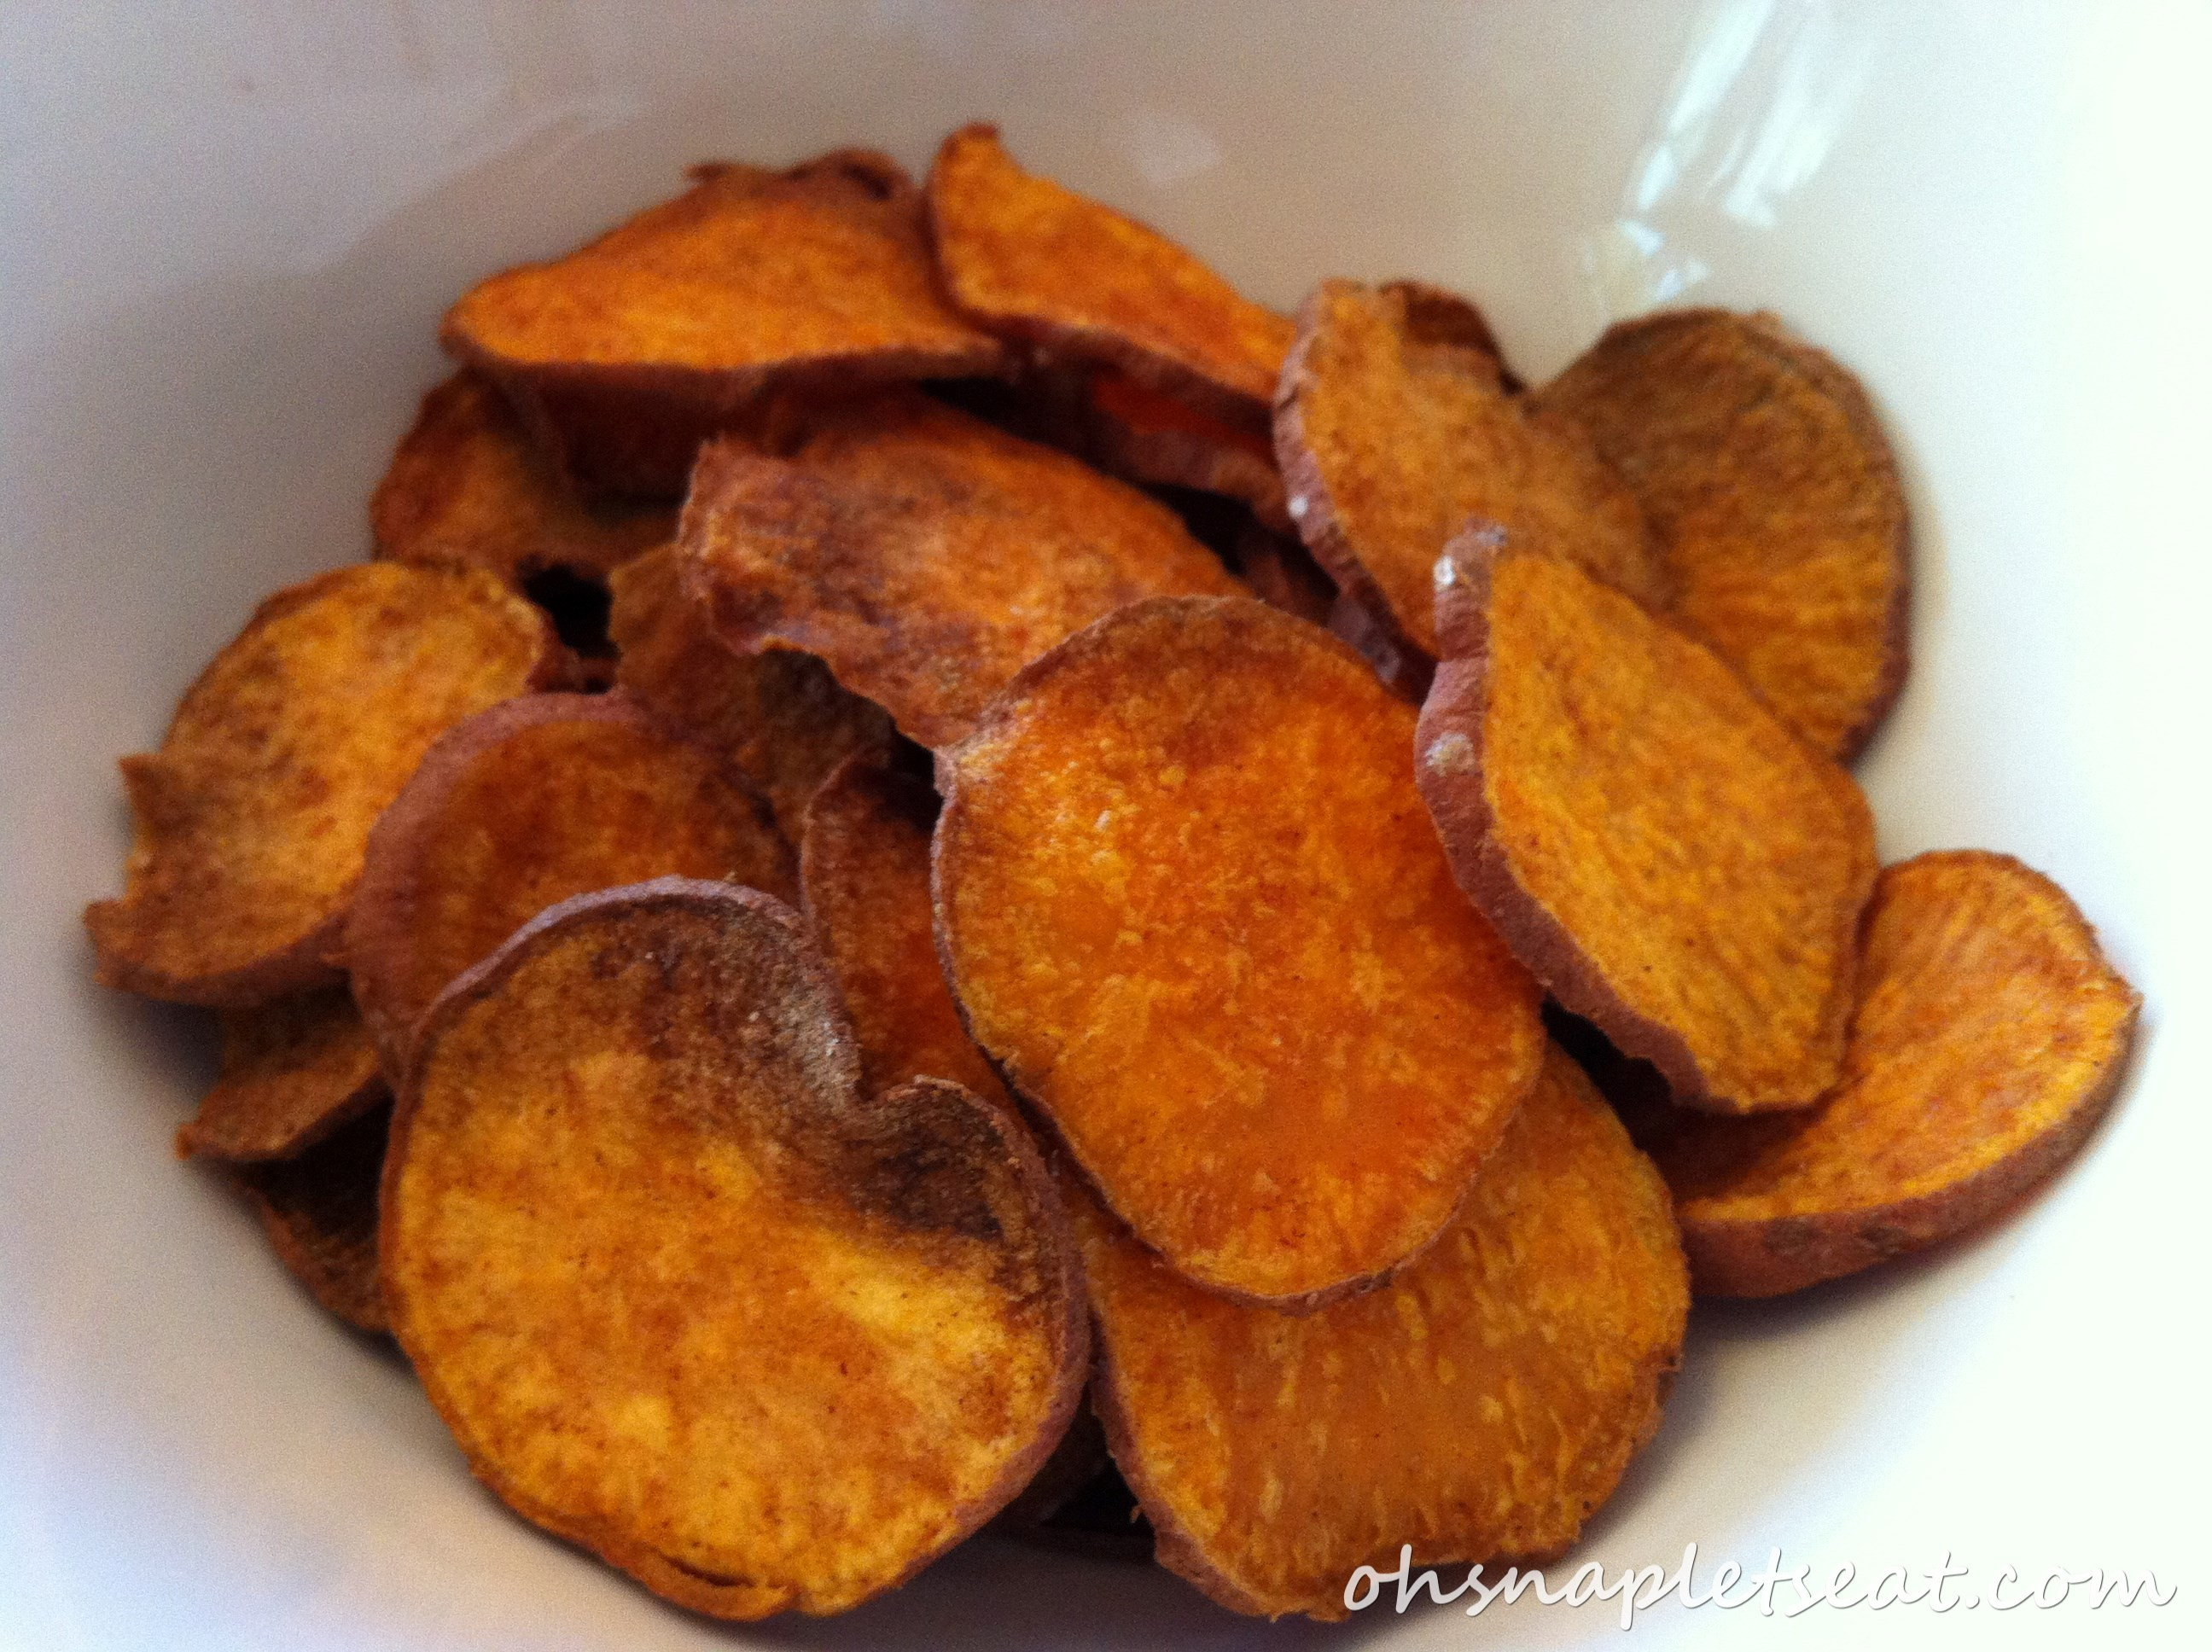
pixel 466 485
pixel 1480 1406
pixel 293 1070
pixel 865 866
pixel 1989 1035
pixel 1147 436
pixel 925 556
pixel 1053 268
pixel 254 815
pixel 1765 473
pixel 778 714
pixel 1189 902
pixel 1670 860
pixel 1396 426
pixel 319 1209
pixel 543 798
pixel 629 351
pixel 685 1296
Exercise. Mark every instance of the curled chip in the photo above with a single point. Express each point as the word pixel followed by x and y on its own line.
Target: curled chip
pixel 1765 475
pixel 1147 436
pixel 1055 270
pixel 865 867
pixel 319 1209
pixel 629 351
pixel 1188 900
pixel 1991 1032
pixel 1481 1406
pixel 465 485
pixel 686 1296
pixel 924 555
pixel 1671 861
pixel 778 714
pixel 530 803
pixel 1394 426
pixel 253 815
pixel 293 1070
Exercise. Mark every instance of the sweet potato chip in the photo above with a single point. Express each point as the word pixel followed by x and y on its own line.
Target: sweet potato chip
pixel 1765 473
pixel 253 815
pixel 629 351
pixel 294 1071
pixel 1989 1035
pixel 1190 903
pixel 543 798
pixel 687 1298
pixel 925 556
pixel 319 1209
pixel 1147 436
pixel 778 714
pixel 1394 427
pixel 1283 574
pixel 1060 272
pixel 1480 1406
pixel 465 485
pixel 865 867
pixel 1670 860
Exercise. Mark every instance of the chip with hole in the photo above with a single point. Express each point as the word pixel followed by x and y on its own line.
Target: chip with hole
pixel 1480 1406
pixel 319 1209
pixel 1035 261
pixel 778 714
pixel 543 798
pixel 863 864
pixel 627 352
pixel 1396 426
pixel 465 485
pixel 1190 903
pixel 293 1070
pixel 1989 1035
pixel 1670 860
pixel 686 1295
pixel 1765 475
pixel 923 555
pixel 252 817
pixel 1147 436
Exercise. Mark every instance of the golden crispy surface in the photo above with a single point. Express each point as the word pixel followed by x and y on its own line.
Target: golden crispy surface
pixel 778 714
pixel 253 815
pixel 1482 1405
pixel 1148 435
pixel 1767 478
pixel 293 1070
pixel 540 800
pixel 1990 1032
pixel 1670 860
pixel 1043 264
pixel 319 1210
pixel 925 556
pixel 865 866
pixel 683 1299
pixel 1394 428
pixel 1189 897
pixel 465 485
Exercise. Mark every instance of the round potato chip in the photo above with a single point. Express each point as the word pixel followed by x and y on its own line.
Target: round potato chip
pixel 1769 484
pixel 1989 1035
pixel 1670 860
pixel 686 1296
pixel 293 1070
pixel 254 815
pixel 1189 902
pixel 1481 1406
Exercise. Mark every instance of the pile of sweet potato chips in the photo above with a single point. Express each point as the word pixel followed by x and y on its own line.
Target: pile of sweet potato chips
pixel 945 874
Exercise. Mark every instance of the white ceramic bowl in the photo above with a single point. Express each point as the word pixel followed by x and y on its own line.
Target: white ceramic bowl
pixel 226 238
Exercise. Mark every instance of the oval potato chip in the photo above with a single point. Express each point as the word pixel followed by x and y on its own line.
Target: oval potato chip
pixel 689 1299
pixel 1989 1035
pixel 1481 1406
pixel 254 815
pixel 1766 477
pixel 1190 904
pixel 1671 861
pixel 293 1070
